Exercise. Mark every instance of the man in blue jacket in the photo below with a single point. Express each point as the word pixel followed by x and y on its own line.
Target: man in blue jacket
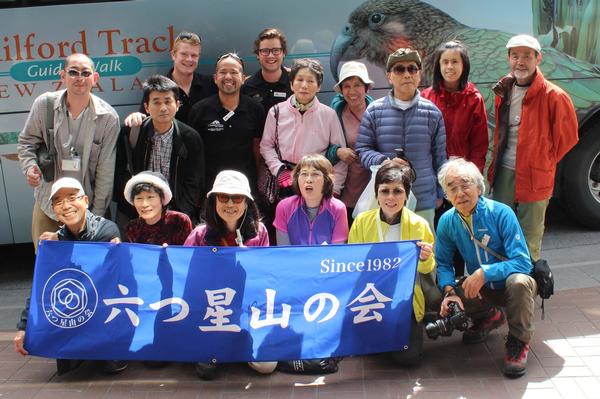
pixel 488 236
pixel 404 120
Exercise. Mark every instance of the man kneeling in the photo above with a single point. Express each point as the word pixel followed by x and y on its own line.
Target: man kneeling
pixel 487 235
pixel 70 204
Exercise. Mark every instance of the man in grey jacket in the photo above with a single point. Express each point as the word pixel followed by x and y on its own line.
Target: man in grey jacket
pixel 404 120
pixel 80 132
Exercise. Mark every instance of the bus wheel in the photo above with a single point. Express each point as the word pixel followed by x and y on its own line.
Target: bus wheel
pixel 581 178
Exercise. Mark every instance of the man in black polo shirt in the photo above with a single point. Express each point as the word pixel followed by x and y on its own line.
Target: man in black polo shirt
pixel 271 84
pixel 193 86
pixel 230 123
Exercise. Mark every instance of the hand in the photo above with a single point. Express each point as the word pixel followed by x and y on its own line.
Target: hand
pixel 444 310
pixel 134 119
pixel 34 176
pixel 116 240
pixel 284 178
pixel 400 161
pixel 347 155
pixel 49 235
pixel 18 341
pixel 472 285
pixel 426 250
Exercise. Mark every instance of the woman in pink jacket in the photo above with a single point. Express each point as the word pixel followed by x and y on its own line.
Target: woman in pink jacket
pixel 300 126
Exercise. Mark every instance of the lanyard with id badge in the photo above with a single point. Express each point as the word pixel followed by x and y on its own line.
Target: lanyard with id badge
pixel 72 162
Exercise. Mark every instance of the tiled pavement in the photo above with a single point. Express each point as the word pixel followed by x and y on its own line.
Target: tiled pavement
pixel 564 363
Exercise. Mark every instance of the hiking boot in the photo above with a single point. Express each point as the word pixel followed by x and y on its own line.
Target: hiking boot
pixel 114 366
pixel 515 357
pixel 480 329
pixel 206 371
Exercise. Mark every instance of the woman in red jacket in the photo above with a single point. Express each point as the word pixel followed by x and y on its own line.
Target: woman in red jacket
pixel 461 104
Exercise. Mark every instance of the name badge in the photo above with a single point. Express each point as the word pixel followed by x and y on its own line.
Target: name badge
pixel 71 165
pixel 279 94
pixel 229 115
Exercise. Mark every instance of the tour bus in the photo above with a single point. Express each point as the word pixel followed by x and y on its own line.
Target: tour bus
pixel 131 39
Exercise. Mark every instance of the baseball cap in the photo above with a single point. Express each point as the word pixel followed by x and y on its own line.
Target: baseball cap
pixel 402 54
pixel 524 41
pixel 66 182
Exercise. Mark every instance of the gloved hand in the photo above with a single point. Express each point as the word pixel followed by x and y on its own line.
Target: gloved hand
pixel 284 178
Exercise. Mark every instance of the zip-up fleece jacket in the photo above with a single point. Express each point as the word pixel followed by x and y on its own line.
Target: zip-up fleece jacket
pixel 493 223
pixel 419 130
pixel 548 130
pixel 302 134
pixel 330 225
pixel 186 179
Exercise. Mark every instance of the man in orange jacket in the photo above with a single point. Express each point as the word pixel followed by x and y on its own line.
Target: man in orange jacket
pixel 536 126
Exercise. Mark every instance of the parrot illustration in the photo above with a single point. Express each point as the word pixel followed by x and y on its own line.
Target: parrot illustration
pixel 378 27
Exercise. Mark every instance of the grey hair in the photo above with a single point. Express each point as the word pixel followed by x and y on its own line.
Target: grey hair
pixel 465 168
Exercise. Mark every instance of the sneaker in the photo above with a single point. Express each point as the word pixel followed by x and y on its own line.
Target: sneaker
pixel 480 329
pixel 515 357
pixel 114 366
pixel 206 371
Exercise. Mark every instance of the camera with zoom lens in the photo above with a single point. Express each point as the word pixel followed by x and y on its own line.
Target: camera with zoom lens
pixel 457 319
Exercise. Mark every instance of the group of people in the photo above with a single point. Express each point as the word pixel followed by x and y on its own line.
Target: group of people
pixel 194 132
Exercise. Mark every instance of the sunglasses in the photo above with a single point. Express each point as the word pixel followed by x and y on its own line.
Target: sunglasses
pixel 400 69
pixel 267 51
pixel 74 73
pixel 188 36
pixel 224 198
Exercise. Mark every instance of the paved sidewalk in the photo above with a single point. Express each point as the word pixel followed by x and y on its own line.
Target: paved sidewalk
pixel 564 363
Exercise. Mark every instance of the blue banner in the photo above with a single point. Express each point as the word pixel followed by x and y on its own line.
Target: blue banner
pixel 145 302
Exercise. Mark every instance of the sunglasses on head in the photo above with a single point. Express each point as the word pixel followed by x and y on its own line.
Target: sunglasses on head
pixel 74 73
pixel 232 55
pixel 188 36
pixel 400 69
pixel 224 198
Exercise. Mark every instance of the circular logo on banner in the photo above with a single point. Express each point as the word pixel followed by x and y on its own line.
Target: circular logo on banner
pixel 69 298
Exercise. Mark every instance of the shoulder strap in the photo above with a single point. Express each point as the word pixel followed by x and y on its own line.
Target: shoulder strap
pixel 50 99
pixel 276 112
pixel 479 243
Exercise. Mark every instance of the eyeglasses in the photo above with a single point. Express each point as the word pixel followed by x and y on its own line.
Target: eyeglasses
pixel 231 55
pixel 69 200
pixel 74 73
pixel 313 175
pixel 224 198
pixel 394 192
pixel 267 51
pixel 400 69
pixel 464 187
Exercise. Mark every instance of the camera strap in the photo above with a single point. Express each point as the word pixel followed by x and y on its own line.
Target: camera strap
pixel 479 243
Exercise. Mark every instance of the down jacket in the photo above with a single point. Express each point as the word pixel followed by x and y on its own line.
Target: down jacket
pixel 419 130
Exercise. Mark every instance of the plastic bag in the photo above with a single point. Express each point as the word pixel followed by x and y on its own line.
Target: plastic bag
pixel 367 199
